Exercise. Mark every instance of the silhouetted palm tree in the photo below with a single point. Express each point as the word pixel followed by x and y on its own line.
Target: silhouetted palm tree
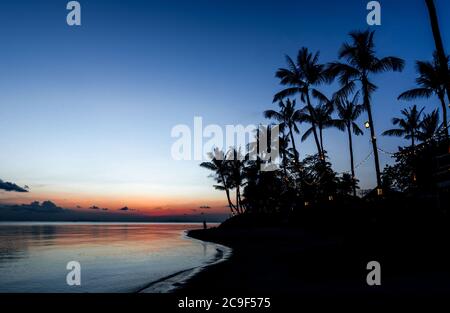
pixel 430 126
pixel 361 63
pixel 438 42
pixel 285 152
pixel 221 168
pixel 321 118
pixel 287 118
pixel 301 76
pixel 432 82
pixel 348 112
pixel 408 126
pixel 237 175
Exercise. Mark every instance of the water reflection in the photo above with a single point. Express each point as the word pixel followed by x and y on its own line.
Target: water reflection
pixel 114 257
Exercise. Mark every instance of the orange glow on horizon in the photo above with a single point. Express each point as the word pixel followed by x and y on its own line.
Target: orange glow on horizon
pixel 141 205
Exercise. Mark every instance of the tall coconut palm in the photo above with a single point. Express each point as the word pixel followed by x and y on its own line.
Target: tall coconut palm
pixel 361 63
pixel 285 152
pixel 349 112
pixel 221 168
pixel 431 81
pixel 430 126
pixel 438 42
pixel 287 119
pixel 237 175
pixel 408 125
pixel 301 77
pixel 319 120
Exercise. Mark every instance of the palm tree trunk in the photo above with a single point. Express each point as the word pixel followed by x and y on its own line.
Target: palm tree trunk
pixel 352 164
pixel 438 39
pixel 227 191
pixel 230 204
pixel 414 153
pixel 240 202
pixel 283 162
pixel 313 123
pixel 258 159
pixel 444 115
pixel 291 134
pixel 372 132
pixel 321 141
pixel 237 200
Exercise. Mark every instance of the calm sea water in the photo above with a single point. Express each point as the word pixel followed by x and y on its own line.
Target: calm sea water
pixel 114 257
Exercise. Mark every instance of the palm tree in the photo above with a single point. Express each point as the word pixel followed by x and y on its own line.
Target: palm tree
pixel 361 63
pixel 221 168
pixel 319 120
pixel 408 126
pixel 432 82
pixel 287 118
pixel 348 112
pixel 430 126
pixel 438 42
pixel 301 77
pixel 284 151
pixel 237 175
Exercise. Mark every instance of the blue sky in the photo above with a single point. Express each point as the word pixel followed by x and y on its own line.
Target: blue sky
pixel 86 112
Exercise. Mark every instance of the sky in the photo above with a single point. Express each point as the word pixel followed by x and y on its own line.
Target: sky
pixel 86 111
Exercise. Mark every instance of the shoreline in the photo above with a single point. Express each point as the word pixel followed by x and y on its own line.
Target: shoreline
pixel 171 283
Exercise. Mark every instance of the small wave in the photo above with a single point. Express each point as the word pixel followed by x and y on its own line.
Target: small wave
pixel 173 281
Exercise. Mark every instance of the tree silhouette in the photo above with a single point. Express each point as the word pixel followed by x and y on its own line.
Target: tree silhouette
pixel 301 77
pixel 408 126
pixel 320 119
pixel 221 168
pixel 441 55
pixel 287 118
pixel 349 112
pixel 432 81
pixel 361 63
pixel 237 175
pixel 429 127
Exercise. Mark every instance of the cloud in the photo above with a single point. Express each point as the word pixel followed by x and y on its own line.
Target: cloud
pixel 125 209
pixel 12 187
pixel 205 207
pixel 37 207
pixel 94 207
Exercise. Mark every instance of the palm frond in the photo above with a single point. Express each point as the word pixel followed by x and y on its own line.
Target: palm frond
pixel 416 93
pixel 396 132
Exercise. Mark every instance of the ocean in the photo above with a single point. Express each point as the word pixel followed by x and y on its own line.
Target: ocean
pixel 113 257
